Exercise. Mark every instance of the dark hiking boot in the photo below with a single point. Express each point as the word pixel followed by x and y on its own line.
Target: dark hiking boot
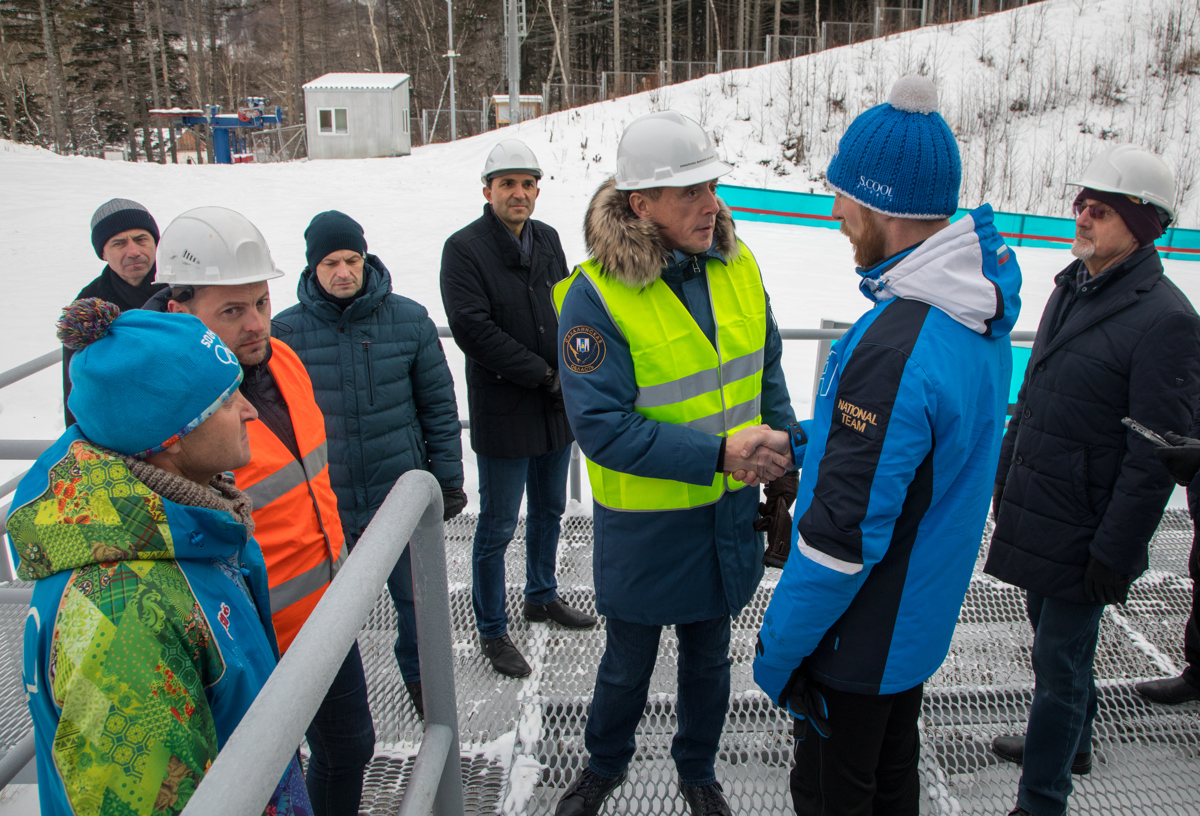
pixel 414 694
pixel 1012 749
pixel 1019 812
pixel 587 793
pixel 504 656
pixel 705 800
pixel 560 613
pixel 1169 691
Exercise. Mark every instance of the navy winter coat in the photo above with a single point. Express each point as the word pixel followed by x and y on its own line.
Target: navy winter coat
pixel 1076 482
pixel 381 380
pixel 501 313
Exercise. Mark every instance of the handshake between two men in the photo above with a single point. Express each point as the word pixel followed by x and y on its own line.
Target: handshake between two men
pixel 758 454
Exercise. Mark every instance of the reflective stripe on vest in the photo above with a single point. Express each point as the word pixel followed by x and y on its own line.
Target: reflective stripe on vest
pixel 295 511
pixel 712 390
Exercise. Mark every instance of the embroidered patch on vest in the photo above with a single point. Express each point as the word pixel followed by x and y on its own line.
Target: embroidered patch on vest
pixel 857 419
pixel 583 349
pixel 223 617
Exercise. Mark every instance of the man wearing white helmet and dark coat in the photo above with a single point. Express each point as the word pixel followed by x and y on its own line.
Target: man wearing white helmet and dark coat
pixel 497 274
pixel 671 362
pixel 1078 495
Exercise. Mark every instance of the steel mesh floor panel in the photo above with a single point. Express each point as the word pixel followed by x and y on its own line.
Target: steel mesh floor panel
pixel 522 740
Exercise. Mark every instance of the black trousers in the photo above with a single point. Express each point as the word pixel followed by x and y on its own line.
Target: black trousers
pixel 1191 635
pixel 868 764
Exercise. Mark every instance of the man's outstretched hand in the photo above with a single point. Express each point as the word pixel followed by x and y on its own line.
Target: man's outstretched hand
pixel 758 454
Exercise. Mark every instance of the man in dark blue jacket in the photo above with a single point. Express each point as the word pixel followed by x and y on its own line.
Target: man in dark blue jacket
pixel 380 378
pixel 896 468
pixel 1078 496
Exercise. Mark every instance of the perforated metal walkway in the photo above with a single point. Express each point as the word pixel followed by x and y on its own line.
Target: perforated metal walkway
pixel 523 739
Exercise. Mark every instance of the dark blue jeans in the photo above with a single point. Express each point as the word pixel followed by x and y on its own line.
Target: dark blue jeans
pixel 502 482
pixel 1064 700
pixel 623 681
pixel 400 587
pixel 342 740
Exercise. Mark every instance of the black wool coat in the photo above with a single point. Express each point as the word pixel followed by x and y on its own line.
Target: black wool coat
pixel 501 313
pixel 1077 483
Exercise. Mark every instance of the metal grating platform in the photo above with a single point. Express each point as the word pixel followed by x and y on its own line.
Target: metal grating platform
pixel 523 739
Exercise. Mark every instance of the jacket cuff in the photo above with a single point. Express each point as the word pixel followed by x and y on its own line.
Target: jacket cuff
pixel 770 679
pixel 721 455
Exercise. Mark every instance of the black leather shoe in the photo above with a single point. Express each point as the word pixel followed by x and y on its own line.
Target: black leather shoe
pixel 1169 691
pixel 1013 750
pixel 586 795
pixel 1019 812
pixel 705 800
pixel 560 613
pixel 504 656
pixel 414 693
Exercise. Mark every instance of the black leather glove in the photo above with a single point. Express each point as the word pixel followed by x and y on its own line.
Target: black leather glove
pixel 1182 460
pixel 997 492
pixel 1103 584
pixel 806 704
pixel 553 387
pixel 775 520
pixel 454 499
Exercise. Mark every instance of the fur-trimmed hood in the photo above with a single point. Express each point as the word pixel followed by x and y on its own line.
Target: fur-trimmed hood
pixel 629 248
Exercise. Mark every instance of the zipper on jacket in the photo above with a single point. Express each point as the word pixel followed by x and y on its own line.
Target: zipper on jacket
pixel 366 344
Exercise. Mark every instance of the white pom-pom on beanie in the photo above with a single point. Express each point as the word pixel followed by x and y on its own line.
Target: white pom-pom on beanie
pixel 914 94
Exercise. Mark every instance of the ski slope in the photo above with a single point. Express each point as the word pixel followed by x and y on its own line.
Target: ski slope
pixel 409 205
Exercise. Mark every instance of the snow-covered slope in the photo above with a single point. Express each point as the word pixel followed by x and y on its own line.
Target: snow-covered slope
pixel 409 205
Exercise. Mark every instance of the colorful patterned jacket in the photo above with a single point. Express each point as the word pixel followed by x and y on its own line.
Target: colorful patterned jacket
pixel 149 633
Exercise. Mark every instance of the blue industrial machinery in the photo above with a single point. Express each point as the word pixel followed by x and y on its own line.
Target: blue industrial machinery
pixel 225 127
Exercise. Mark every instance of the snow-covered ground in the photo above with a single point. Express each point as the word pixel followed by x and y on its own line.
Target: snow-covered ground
pixel 409 205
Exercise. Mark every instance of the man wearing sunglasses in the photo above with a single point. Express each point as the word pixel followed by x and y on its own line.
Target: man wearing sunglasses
pixel 1077 495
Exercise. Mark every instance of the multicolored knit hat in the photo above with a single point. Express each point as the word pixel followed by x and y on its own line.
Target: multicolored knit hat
pixel 142 380
pixel 900 158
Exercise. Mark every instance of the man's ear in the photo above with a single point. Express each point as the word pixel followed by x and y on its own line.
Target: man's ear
pixel 174 307
pixel 637 203
pixel 487 192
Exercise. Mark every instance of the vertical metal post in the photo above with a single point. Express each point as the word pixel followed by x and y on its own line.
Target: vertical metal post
pixel 974 8
pixel 514 65
pixel 450 55
pixel 576 479
pixel 924 12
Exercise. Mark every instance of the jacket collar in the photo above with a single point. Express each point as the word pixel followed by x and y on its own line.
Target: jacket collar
pixel 506 242
pixel 379 286
pixel 1112 291
pixel 629 248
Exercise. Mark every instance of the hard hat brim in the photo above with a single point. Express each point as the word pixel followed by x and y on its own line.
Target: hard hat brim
pixel 486 178
pixel 1109 188
pixel 698 175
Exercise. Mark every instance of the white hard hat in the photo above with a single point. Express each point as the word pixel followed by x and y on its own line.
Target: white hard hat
pixel 1134 172
pixel 510 156
pixel 666 149
pixel 213 246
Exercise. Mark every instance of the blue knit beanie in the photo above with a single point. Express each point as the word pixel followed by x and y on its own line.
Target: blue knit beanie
pixel 142 380
pixel 332 231
pixel 116 216
pixel 900 158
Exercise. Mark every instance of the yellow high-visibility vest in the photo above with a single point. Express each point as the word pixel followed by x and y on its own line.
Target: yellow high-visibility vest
pixel 680 377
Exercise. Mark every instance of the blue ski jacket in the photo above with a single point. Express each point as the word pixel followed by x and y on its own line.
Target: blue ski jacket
pixel 897 470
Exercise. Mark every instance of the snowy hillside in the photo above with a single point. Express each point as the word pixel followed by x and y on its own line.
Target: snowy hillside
pixel 409 205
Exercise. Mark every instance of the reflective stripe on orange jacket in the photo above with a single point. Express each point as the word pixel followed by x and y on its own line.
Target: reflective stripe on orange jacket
pixel 295 513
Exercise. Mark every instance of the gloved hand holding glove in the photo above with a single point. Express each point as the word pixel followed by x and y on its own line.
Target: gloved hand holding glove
pixel 1182 460
pixel 454 499
pixel 776 520
pixel 553 387
pixel 807 706
pixel 1103 584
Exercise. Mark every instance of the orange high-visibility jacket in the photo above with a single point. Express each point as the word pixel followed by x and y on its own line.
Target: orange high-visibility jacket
pixel 295 513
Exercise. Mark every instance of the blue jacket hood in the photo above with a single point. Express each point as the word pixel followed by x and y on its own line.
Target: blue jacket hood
pixel 965 270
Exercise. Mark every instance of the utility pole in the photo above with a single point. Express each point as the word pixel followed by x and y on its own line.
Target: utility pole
pixel 450 55
pixel 514 65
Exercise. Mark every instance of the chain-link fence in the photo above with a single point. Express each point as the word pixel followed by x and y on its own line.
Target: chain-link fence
pixel 280 144
pixel 834 35
pixel 673 71
pixel 435 124
pixel 560 97
pixel 732 60
pixel 785 47
pixel 894 20
pixel 624 83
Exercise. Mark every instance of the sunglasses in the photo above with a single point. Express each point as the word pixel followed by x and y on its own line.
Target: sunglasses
pixel 1097 212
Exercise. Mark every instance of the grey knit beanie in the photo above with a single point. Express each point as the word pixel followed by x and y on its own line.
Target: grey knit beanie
pixel 117 216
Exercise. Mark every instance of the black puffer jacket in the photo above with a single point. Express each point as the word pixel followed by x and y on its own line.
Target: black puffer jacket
pixel 1076 482
pixel 501 313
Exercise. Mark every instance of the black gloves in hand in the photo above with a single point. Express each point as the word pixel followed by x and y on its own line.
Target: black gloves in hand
pixel 775 519
pixel 554 388
pixel 1103 584
pixel 997 492
pixel 1183 460
pixel 806 704
pixel 454 499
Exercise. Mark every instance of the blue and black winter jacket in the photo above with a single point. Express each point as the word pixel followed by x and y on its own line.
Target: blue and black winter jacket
pixel 897 470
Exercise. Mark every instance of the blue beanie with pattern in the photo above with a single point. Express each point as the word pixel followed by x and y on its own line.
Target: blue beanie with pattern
pixel 142 380
pixel 900 158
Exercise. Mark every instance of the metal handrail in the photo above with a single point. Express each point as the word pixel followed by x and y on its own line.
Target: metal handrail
pixel 32 367
pixel 17 758
pixel 252 761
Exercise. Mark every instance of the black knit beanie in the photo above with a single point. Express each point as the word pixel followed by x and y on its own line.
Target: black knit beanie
pixel 1141 219
pixel 117 216
pixel 329 232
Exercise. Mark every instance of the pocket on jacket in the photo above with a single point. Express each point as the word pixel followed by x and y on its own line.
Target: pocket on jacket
pixel 1079 478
